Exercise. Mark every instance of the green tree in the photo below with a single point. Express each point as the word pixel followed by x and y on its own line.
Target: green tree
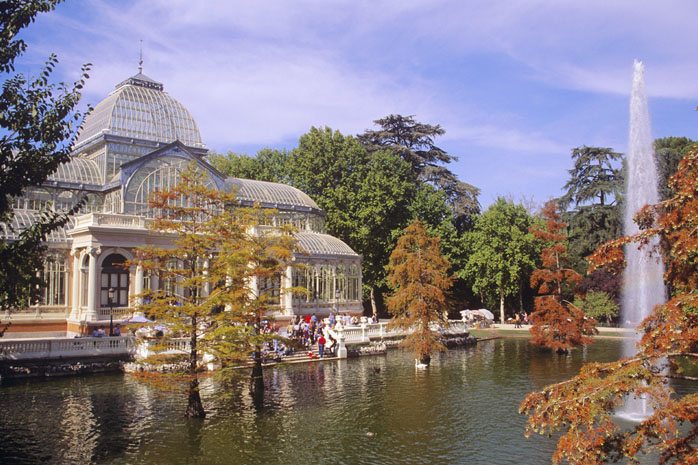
pixel 366 198
pixel 502 252
pixel 37 122
pixel 597 305
pixel 414 142
pixel 668 152
pixel 592 193
pixel 210 270
pixel 268 165
pixel 418 273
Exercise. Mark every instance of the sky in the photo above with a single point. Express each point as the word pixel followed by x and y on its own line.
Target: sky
pixel 516 84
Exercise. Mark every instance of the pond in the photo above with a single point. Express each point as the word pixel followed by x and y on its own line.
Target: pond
pixel 371 410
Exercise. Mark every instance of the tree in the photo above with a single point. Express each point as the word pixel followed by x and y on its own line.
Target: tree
pixel 668 152
pixel 210 269
pixel 418 273
pixel 597 305
pixel 414 142
pixel 581 409
pixel 366 198
pixel 502 252
pixel 593 191
pixel 557 324
pixel 37 122
pixel 268 165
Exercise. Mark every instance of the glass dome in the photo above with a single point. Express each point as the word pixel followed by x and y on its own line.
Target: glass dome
pixel 272 195
pixel 140 109
pixel 317 244
pixel 78 171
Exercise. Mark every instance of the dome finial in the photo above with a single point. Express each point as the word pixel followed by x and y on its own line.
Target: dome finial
pixel 140 61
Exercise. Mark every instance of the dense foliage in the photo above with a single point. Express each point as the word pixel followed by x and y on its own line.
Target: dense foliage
pixel 414 142
pixel 502 253
pixel 418 273
pixel 597 305
pixel 581 409
pixel 37 125
pixel 591 201
pixel 557 324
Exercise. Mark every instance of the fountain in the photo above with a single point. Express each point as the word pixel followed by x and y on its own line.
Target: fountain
pixel 643 283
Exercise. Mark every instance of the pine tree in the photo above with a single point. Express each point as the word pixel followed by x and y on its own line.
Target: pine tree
pixel 418 273
pixel 557 324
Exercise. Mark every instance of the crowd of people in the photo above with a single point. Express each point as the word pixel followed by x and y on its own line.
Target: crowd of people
pixel 304 331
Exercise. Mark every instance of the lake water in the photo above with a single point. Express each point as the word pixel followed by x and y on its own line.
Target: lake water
pixel 370 410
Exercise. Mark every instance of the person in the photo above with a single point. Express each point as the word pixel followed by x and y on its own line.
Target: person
pixel 332 320
pixel 101 332
pixel 117 330
pixel 95 332
pixel 517 320
pixel 321 345
pixel 526 318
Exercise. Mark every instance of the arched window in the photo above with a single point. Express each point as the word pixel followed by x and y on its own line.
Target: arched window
pixel 115 276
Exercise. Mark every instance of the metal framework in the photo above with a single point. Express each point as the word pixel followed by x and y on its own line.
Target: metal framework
pixel 140 109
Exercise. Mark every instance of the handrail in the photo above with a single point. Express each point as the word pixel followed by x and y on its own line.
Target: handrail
pixel 53 348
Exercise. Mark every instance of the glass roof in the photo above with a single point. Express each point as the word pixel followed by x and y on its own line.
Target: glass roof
pixel 140 109
pixel 79 171
pixel 312 243
pixel 272 194
pixel 23 219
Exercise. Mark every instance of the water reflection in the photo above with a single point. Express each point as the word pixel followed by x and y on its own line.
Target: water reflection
pixel 373 410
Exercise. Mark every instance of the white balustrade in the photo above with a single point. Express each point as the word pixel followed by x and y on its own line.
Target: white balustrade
pixel 53 348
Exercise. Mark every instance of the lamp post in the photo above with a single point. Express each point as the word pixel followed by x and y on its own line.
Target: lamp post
pixel 110 300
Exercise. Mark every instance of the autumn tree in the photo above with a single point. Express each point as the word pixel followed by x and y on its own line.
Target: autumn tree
pixel 581 409
pixel 557 324
pixel 502 253
pixel 418 273
pixel 214 255
pixel 38 120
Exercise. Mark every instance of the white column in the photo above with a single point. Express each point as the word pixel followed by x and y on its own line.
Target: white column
pixel 287 284
pixel 138 285
pixel 75 289
pixel 92 285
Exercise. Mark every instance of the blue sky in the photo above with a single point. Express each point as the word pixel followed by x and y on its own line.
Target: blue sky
pixel 515 84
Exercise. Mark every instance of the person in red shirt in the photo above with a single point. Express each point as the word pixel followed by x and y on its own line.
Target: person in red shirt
pixel 321 345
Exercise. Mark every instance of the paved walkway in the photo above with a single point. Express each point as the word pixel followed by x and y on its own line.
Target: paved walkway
pixel 603 331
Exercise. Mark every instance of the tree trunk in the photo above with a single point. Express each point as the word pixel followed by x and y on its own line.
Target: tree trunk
pixel 195 408
pixel 501 306
pixel 257 380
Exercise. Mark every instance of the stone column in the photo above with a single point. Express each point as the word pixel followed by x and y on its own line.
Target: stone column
pixel 75 289
pixel 92 285
pixel 138 285
pixel 287 284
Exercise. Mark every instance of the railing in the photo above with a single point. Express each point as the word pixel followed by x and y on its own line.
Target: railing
pixel 179 345
pixel 118 312
pixel 110 219
pixel 53 348
pixel 368 332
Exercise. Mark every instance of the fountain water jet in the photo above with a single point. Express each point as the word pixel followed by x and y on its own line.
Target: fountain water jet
pixel 643 283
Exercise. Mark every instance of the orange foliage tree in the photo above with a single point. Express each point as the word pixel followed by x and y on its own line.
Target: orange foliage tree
pixel 582 408
pixel 557 324
pixel 418 273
